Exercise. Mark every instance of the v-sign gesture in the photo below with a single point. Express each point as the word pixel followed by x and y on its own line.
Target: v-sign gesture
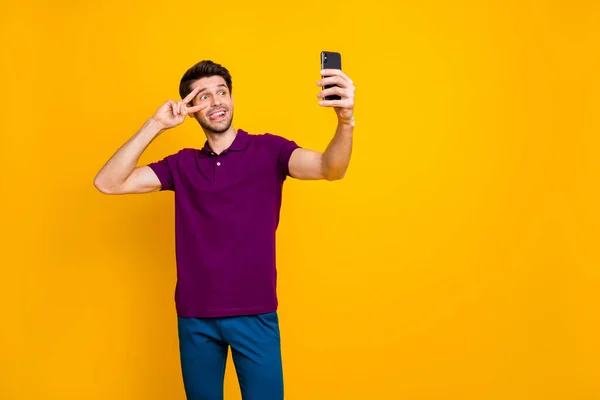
pixel 172 113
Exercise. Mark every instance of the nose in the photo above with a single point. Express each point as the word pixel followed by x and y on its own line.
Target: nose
pixel 216 101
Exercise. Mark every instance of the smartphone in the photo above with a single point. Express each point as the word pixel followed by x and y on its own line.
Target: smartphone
pixel 331 60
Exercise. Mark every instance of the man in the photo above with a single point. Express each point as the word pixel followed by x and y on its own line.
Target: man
pixel 227 203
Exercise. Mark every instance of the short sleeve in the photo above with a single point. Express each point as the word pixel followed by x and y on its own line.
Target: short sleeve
pixel 283 149
pixel 164 170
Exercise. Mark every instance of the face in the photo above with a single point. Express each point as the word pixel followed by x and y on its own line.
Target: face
pixel 214 94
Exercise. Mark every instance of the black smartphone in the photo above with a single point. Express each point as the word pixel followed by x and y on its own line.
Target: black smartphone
pixel 331 60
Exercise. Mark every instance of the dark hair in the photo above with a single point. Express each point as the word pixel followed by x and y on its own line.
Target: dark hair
pixel 203 69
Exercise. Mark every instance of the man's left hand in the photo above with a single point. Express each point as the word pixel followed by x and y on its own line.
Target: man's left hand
pixel 344 108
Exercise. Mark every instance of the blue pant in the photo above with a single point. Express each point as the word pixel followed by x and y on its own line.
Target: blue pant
pixel 256 351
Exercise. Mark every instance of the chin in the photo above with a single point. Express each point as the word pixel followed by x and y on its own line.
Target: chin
pixel 217 129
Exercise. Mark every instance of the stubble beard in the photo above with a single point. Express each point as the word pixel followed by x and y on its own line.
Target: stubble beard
pixel 218 127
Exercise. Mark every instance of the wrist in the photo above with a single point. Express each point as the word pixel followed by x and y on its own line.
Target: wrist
pixel 155 126
pixel 346 122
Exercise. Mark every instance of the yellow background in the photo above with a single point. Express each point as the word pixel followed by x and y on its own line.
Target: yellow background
pixel 458 259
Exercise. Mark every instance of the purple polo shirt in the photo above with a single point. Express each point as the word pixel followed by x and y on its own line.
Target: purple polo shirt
pixel 226 214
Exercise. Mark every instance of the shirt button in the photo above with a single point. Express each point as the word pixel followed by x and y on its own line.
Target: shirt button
pixel 218 164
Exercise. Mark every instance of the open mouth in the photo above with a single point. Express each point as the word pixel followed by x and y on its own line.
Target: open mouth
pixel 217 115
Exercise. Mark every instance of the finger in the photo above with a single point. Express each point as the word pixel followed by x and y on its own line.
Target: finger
pixel 344 103
pixel 191 96
pixel 331 72
pixel 337 72
pixel 195 109
pixel 332 91
pixel 179 108
pixel 173 108
pixel 334 80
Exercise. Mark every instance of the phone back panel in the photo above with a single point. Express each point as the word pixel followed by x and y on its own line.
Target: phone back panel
pixel 331 60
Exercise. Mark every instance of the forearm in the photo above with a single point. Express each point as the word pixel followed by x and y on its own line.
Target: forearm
pixel 337 155
pixel 120 166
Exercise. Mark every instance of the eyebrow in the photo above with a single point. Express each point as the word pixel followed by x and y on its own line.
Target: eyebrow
pixel 219 85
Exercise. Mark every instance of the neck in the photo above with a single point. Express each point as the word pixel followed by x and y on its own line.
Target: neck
pixel 220 141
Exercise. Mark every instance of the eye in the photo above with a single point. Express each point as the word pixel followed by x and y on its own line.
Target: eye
pixel 223 93
pixel 204 97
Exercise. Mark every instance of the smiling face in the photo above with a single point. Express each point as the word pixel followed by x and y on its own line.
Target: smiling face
pixel 215 95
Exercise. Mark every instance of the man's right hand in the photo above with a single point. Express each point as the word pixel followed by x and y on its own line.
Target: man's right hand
pixel 171 114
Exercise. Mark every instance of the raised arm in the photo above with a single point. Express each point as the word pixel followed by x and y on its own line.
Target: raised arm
pixel 120 174
pixel 333 162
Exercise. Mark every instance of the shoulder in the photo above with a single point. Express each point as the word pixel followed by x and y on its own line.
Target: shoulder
pixel 266 137
pixel 272 141
pixel 186 152
pixel 173 160
pixel 182 154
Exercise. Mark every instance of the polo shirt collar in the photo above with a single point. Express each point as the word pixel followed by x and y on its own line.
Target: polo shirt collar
pixel 239 143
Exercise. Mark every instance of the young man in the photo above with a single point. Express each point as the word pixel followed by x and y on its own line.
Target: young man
pixel 227 203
